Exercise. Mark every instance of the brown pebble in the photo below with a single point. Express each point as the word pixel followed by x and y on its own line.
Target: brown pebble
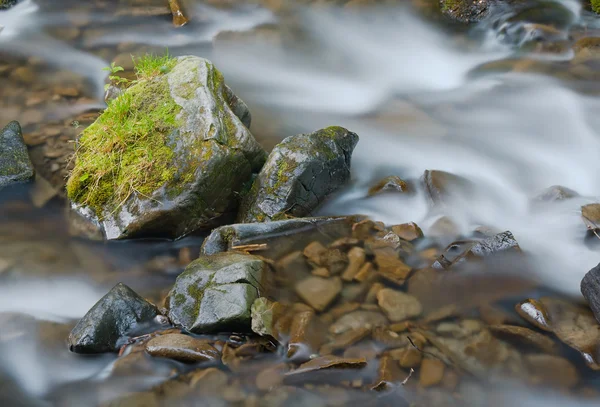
pixel 398 306
pixel 356 259
pixel 183 348
pixel 392 183
pixel 431 372
pixel 365 272
pixel 319 292
pixel 407 357
pixel 552 371
pixel 408 231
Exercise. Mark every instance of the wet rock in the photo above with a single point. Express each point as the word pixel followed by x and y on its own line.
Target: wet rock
pixel 300 173
pixel 590 288
pixel 179 18
pixel 264 315
pixel 442 186
pixel 431 372
pixel 575 326
pixel 356 320
pixel 182 348
pixel 356 260
pixel 389 184
pixel 225 237
pixel 524 338
pixel 307 334
pixel 408 231
pixel 15 165
pixel 398 306
pixel 465 11
pixel 205 156
pixel 591 216
pixel 552 371
pixel 114 316
pixel 535 313
pixel 407 357
pixel 555 193
pixel 390 267
pixel 319 292
pixel 216 293
pixel 460 251
pixel 345 340
pixel 325 369
pixel 388 373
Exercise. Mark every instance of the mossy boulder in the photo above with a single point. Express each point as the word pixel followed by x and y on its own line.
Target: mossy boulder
pixel 4 4
pixel 15 165
pixel 119 313
pixel 168 156
pixel 300 173
pixel 215 293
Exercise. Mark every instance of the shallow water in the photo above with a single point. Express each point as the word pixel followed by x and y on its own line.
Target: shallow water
pixel 406 85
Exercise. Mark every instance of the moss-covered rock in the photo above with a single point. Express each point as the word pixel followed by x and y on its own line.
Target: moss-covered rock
pixel 4 4
pixel 168 156
pixel 215 293
pixel 110 320
pixel 300 173
pixel 15 165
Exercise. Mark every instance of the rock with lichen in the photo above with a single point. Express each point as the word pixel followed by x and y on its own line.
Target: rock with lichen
pixel 300 173
pixel 168 156
pixel 110 320
pixel 15 165
pixel 215 293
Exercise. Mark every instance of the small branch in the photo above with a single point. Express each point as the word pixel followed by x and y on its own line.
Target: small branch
pixel 408 377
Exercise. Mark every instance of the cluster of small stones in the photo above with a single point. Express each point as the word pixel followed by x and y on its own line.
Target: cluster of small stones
pixel 360 321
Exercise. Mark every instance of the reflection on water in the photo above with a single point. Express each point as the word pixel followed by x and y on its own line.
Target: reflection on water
pixel 406 86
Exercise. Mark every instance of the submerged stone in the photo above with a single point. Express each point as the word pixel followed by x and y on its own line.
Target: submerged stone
pixel 183 348
pixel 591 216
pixel 389 184
pixel 441 187
pixel 15 165
pixel 215 293
pixel 300 173
pixel 555 193
pixel 185 173
pixel 115 315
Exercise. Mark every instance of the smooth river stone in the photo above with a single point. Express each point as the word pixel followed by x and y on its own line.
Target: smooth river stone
pixel 183 348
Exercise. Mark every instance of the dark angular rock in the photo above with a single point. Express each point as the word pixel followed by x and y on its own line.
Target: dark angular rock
pixel 115 315
pixel 590 288
pixel 300 173
pixel 465 11
pixel 215 293
pixel 15 165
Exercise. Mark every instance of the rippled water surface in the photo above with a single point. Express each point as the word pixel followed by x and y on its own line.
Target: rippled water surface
pixel 485 102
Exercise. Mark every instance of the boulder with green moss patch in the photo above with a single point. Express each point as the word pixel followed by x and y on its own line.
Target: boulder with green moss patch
pixel 168 156
pixel 15 165
pixel 4 4
pixel 216 293
pixel 300 173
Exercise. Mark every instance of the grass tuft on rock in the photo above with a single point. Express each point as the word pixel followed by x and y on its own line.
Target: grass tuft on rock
pixel 126 150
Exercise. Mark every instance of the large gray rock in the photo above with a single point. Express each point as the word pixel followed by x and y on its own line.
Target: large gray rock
pixel 115 315
pixel 215 293
pixel 300 173
pixel 15 165
pixel 186 174
pixel 590 288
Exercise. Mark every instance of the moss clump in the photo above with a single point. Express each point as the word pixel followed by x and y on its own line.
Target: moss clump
pixel 596 6
pixel 126 150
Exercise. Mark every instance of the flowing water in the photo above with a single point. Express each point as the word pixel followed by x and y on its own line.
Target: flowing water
pixel 412 88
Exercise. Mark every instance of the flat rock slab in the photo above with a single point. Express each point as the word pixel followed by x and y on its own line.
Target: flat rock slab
pixel 15 165
pixel 398 306
pixel 300 173
pixel 215 293
pixel 183 348
pixel 319 292
pixel 109 320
